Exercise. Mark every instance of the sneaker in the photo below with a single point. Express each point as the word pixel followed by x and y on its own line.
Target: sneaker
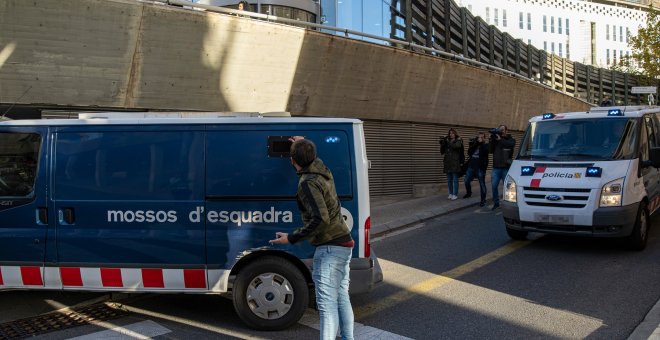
pixel 495 206
pixel 453 197
pixel 468 195
pixel 482 203
pixel 450 196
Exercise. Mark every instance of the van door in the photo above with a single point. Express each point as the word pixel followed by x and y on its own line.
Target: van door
pixel 23 205
pixel 124 197
pixel 650 174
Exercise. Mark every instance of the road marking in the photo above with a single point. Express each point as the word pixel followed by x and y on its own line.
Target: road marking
pixel 141 330
pixel 436 281
pixel 360 331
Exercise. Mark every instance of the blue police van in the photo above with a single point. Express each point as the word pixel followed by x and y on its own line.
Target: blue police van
pixel 174 202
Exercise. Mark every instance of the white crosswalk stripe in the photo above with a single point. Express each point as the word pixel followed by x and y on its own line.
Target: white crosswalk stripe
pixel 360 331
pixel 141 330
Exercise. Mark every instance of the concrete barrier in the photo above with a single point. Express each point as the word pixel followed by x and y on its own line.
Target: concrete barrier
pixel 129 54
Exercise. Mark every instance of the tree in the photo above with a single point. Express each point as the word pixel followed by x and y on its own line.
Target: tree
pixel 645 46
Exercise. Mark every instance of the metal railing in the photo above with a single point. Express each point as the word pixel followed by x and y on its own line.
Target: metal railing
pixel 395 43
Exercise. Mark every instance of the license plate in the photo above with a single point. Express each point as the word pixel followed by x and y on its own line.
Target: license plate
pixel 555 219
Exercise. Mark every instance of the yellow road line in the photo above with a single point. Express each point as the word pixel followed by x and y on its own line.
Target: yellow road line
pixel 437 281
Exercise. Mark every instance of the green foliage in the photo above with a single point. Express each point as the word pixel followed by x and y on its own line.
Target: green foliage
pixel 645 47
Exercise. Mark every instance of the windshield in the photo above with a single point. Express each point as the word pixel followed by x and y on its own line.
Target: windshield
pixel 19 153
pixel 580 140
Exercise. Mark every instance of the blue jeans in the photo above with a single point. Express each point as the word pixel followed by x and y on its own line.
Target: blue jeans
pixel 331 277
pixel 481 176
pixel 497 175
pixel 452 183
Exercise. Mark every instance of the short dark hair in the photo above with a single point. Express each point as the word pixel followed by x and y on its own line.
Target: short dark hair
pixel 303 151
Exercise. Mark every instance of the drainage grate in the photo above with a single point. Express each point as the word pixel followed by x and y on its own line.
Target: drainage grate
pixel 29 327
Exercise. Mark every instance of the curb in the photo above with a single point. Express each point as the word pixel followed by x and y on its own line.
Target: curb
pixel 650 326
pixel 416 218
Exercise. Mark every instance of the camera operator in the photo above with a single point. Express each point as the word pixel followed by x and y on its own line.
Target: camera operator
pixel 501 146
pixel 452 147
pixel 476 166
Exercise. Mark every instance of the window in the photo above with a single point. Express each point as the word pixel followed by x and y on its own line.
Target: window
pixel 561 53
pixel 567 27
pixel 529 41
pixel 559 26
pixel 161 165
pixel 627 35
pixel 614 56
pixel 608 56
pixel 545 45
pixel 488 15
pixel 504 17
pixel 607 32
pixel 568 50
pixel 497 17
pixel 552 46
pixel 620 33
pixel 529 21
pixel 521 22
pixel 552 24
pixel 19 156
pixel 545 23
pixel 614 32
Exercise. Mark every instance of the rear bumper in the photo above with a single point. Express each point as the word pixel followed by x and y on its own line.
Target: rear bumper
pixel 365 274
pixel 607 222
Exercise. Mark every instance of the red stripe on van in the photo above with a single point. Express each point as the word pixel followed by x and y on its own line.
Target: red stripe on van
pixel 194 278
pixel 152 278
pixel 540 170
pixel 1 282
pixel 71 277
pixel 111 277
pixel 535 183
pixel 31 276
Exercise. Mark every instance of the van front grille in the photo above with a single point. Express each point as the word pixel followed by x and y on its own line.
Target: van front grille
pixel 569 198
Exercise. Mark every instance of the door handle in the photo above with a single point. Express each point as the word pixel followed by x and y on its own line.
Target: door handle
pixel 42 215
pixel 67 216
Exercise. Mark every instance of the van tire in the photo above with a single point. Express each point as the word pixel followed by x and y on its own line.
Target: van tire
pixel 516 234
pixel 261 284
pixel 640 234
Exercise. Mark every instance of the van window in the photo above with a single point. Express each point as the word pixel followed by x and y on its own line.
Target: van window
pixel 580 139
pixel 129 165
pixel 19 155
pixel 241 165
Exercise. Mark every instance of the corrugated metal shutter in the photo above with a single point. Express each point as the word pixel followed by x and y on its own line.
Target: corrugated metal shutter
pixel 404 154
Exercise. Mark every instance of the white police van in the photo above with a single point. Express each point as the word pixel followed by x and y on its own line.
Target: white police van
pixel 174 202
pixel 586 173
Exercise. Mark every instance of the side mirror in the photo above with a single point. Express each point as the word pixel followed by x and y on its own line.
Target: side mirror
pixel 655 157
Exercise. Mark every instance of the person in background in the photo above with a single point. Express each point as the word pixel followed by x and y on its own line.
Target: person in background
pixel 501 146
pixel 477 164
pixel 451 146
pixel 606 101
pixel 324 227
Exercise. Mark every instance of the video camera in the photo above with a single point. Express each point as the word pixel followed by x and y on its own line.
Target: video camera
pixel 494 132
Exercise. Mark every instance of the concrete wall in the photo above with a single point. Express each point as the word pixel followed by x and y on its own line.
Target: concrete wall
pixel 128 54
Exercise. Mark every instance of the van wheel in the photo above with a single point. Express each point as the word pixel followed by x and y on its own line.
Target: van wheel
pixel 640 234
pixel 516 234
pixel 270 294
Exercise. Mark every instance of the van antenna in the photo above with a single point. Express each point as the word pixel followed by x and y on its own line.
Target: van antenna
pixel 14 103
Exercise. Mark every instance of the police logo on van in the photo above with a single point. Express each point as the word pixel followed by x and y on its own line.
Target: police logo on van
pixel 562 175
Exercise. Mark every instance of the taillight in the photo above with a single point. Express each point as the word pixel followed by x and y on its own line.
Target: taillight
pixel 367 245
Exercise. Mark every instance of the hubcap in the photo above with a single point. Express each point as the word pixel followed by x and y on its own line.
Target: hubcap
pixel 269 296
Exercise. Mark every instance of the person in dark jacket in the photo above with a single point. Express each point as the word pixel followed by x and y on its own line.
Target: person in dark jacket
pixel 501 146
pixel 324 227
pixel 452 147
pixel 477 164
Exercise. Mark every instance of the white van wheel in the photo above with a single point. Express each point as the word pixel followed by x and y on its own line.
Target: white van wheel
pixel 270 294
pixel 640 234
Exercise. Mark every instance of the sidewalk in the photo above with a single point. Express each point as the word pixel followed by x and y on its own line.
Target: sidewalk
pixel 394 213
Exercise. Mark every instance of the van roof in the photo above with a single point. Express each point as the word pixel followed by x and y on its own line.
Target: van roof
pixel 602 112
pixel 159 118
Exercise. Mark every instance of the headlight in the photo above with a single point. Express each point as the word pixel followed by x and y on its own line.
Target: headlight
pixel 510 194
pixel 611 194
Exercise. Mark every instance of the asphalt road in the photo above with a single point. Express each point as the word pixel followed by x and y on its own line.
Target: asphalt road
pixel 455 277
